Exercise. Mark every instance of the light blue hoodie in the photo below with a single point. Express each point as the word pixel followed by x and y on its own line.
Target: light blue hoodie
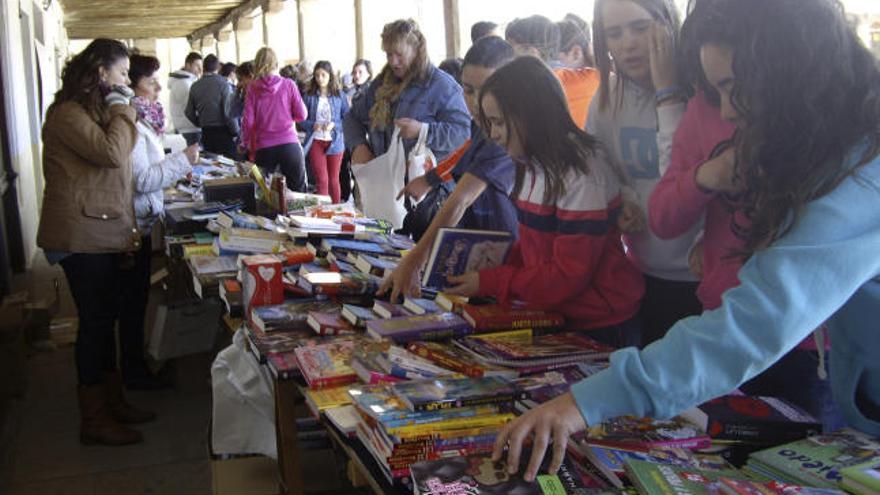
pixel 826 268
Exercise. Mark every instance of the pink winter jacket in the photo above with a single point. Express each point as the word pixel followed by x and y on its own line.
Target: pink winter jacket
pixel 272 106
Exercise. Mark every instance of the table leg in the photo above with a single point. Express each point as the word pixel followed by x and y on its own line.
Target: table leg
pixel 286 437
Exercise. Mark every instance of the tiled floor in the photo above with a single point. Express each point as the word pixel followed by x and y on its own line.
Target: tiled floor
pixel 40 448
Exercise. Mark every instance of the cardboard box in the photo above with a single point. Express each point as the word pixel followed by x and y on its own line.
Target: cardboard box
pixel 256 475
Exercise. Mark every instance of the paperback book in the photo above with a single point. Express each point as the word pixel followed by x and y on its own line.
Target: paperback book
pixel 291 315
pixel 491 317
pixel 437 326
pixel 431 395
pixel 459 251
pixel 328 364
pixel 339 284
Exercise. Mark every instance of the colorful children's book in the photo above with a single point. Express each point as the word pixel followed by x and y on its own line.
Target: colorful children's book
pixel 356 315
pixel 380 403
pixel 431 395
pixel 561 348
pixel 662 479
pixel 291 315
pixel 455 359
pixel 339 284
pixel 329 364
pixel 437 326
pixel 399 362
pixel 478 474
pixel 283 365
pixel 365 363
pixel 489 317
pixel 733 486
pixel 459 251
pixel 611 462
pixel 815 461
pixel 767 420
pixel 420 305
pixel 864 478
pixel 320 400
pixel 626 431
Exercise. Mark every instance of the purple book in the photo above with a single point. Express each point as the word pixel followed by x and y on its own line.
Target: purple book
pixel 436 326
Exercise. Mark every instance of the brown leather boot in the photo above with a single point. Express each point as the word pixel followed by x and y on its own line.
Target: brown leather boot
pixel 121 410
pixel 98 426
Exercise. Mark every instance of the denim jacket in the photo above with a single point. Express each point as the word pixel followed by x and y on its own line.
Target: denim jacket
pixel 338 108
pixel 437 101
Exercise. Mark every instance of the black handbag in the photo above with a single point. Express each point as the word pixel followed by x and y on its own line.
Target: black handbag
pixel 419 217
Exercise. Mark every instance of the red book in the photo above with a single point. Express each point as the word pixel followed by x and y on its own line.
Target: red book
pixel 297 256
pixel 327 365
pixel 261 284
pixel 490 317
pixel 329 323
pixel 456 360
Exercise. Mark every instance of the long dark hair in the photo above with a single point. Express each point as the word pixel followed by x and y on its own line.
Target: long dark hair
pixel 332 86
pixel 490 52
pixel 808 93
pixel 550 137
pixel 81 81
pixel 367 65
pixel 662 11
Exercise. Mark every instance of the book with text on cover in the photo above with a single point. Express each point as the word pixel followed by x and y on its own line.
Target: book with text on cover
pixel 459 251
pixel 431 395
pixel 436 326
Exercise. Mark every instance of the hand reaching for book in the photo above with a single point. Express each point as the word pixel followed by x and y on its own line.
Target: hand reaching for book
pixel 466 285
pixel 550 423
pixel 404 280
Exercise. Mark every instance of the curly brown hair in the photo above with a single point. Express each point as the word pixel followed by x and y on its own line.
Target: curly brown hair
pixel 81 80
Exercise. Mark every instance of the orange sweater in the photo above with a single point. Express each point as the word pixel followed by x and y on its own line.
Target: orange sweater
pixel 579 85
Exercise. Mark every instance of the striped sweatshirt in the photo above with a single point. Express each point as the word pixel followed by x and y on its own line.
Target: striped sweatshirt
pixel 569 256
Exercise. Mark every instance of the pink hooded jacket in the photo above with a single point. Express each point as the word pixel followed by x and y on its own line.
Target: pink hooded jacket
pixel 272 106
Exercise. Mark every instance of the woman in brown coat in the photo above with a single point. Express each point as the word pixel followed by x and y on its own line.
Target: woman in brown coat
pixel 88 223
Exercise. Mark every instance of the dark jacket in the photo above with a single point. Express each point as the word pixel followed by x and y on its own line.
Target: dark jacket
pixel 210 103
pixel 437 100
pixel 338 108
pixel 87 201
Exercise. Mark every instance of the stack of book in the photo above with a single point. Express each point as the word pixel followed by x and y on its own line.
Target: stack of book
pixel 407 422
pixel 529 353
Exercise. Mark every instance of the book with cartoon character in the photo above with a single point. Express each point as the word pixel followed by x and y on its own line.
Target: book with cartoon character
pixel 458 251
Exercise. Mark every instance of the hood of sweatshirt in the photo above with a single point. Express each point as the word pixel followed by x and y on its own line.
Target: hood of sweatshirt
pixel 267 84
pixel 182 74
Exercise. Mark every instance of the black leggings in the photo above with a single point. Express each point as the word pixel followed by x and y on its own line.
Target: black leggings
pixel 94 281
pixel 135 290
pixel 290 158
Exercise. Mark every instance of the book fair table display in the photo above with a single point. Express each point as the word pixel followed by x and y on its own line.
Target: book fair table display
pixel 411 394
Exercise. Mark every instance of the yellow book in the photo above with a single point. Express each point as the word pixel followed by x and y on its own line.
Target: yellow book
pixel 521 335
pixel 451 425
pixel 319 400
pixel 190 250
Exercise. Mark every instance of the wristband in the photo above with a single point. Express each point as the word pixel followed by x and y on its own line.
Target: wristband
pixel 664 94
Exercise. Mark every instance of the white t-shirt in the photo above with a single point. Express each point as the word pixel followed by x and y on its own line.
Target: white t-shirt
pixel 324 115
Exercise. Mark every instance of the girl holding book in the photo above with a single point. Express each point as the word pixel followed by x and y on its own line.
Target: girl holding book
pixel 805 95
pixel 569 257
pixel 635 114
pixel 482 170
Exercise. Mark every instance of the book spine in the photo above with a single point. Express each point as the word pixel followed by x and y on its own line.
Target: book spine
pixel 430 335
pixel 467 402
pixel 769 432
pixel 490 324
pixel 331 381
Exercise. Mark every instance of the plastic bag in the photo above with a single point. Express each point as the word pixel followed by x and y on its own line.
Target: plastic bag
pixel 380 179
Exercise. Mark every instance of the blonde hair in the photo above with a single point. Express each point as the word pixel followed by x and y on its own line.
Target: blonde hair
pixel 265 62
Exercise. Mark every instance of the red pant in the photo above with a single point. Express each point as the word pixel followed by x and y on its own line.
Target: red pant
pixel 325 168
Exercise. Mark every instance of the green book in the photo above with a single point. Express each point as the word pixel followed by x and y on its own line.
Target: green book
pixel 817 461
pixel 864 478
pixel 663 479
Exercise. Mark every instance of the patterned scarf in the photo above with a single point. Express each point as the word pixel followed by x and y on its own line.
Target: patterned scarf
pixel 150 112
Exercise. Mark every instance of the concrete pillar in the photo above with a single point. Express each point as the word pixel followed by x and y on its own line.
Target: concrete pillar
pixel 359 28
pixel 300 30
pixel 453 29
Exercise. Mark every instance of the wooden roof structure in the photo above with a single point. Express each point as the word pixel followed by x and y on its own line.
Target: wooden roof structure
pixel 134 19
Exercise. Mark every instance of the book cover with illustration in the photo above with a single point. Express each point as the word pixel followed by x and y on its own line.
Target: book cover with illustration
pixel 291 315
pixel 436 326
pixel 862 478
pixel 375 265
pixel 767 420
pixel 328 364
pixel 359 247
pixel 553 348
pixel 430 395
pixel 816 461
pixel 455 359
pixel 458 251
pixel 662 479
pixel 380 403
pixel 648 432
pixel 329 322
pixel 479 475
